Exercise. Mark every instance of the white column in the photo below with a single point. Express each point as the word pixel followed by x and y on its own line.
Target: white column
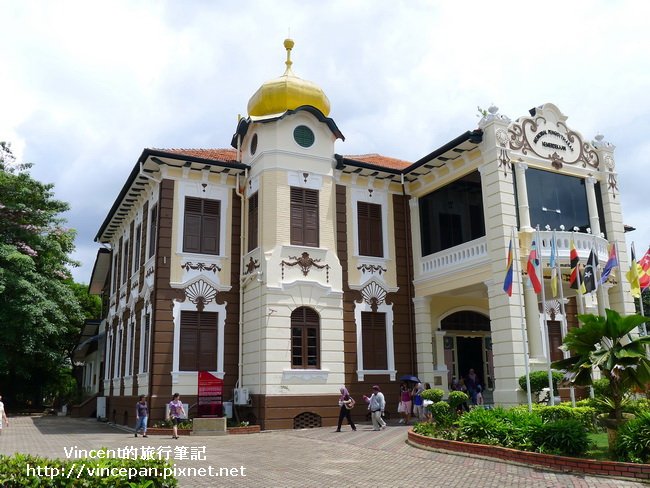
pixel 522 197
pixel 423 338
pixel 594 220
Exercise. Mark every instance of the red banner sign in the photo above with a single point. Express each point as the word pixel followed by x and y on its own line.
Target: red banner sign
pixel 210 395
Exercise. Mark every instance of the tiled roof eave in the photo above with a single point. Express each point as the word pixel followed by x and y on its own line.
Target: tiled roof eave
pixel 132 187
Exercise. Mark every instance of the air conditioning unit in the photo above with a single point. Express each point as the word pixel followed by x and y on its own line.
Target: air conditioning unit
pixel 242 396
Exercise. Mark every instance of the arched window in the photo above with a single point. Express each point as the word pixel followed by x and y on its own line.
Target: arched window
pixel 305 338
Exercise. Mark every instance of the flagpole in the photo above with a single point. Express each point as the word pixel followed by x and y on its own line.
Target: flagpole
pixel 644 330
pixel 621 277
pixel 564 327
pixel 545 328
pixel 524 335
pixel 599 291
pixel 581 305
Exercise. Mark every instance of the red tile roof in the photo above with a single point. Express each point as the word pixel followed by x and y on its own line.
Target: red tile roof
pixel 212 154
pixel 379 160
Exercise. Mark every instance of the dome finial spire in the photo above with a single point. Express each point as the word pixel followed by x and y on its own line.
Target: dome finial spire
pixel 288 45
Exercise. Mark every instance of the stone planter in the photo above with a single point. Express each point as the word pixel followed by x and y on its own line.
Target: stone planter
pixel 249 429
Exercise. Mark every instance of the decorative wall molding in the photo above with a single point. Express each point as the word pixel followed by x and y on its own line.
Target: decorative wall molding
pixel 200 293
pixel 201 267
pixel 374 295
pixel 252 265
pixel 306 262
pixel 371 268
pixel 546 135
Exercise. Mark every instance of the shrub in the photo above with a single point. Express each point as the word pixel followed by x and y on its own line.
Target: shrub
pixel 480 426
pixel 633 440
pixel 539 381
pixel 601 387
pixel 586 416
pixel 639 406
pixel 508 428
pixel 456 399
pixel 14 472
pixel 442 414
pixel 564 437
pixel 434 395
pixel 426 428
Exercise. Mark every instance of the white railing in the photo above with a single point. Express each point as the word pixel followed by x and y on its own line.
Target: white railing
pixel 458 257
pixel 475 252
pixel 584 243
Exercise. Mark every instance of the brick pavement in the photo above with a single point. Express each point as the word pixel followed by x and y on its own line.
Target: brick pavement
pixel 298 458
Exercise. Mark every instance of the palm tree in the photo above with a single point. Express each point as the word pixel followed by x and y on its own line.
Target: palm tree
pixel 607 343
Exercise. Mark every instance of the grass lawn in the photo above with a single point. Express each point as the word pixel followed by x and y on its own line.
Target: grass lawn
pixel 601 449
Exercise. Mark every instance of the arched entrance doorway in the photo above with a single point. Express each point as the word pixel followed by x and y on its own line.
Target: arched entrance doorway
pixel 468 345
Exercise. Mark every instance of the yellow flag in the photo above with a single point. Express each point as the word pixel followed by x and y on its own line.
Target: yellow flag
pixel 633 277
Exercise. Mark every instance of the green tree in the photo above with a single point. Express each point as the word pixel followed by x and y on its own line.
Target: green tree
pixel 607 343
pixel 39 312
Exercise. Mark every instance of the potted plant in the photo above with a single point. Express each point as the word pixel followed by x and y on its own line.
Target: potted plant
pixel 607 343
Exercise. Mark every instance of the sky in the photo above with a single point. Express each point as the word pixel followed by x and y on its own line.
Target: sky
pixel 85 86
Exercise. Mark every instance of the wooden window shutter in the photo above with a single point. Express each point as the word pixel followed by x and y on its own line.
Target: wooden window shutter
pixel 198 341
pixel 373 337
pixel 147 332
pixel 370 234
pixel 188 341
pixel 305 338
pixel 304 217
pixel 153 226
pixel 253 211
pixel 201 226
pixel 555 340
pixel 136 248
pixel 207 352
pixel 210 226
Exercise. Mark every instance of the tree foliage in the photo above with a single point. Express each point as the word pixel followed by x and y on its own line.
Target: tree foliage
pixel 39 311
pixel 608 344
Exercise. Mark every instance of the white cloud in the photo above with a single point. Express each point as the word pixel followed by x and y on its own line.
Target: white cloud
pixel 87 86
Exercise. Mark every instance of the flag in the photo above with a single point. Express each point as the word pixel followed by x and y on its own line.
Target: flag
pixel 590 272
pixel 531 268
pixel 644 273
pixel 575 279
pixel 612 262
pixel 507 282
pixel 633 277
pixel 553 265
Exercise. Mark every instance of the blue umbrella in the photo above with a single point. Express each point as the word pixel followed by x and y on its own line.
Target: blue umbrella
pixel 413 379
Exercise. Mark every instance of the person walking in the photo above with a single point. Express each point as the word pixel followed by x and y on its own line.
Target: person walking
pixel 3 415
pixel 346 402
pixel 404 404
pixel 418 409
pixel 141 416
pixel 176 413
pixel 376 405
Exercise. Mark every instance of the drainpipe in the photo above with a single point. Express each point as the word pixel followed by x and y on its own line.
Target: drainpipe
pixel 409 264
pixel 242 244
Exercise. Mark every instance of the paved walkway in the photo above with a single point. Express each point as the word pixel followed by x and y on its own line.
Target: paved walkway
pixel 296 458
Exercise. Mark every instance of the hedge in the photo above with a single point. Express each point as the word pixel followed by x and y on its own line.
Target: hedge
pixel 23 470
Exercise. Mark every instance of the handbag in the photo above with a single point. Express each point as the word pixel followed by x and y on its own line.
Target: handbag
pixel 349 404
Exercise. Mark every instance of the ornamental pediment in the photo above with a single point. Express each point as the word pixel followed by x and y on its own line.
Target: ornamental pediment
pixel 545 134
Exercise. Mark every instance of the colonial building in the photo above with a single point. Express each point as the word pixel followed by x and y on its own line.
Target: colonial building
pixel 288 270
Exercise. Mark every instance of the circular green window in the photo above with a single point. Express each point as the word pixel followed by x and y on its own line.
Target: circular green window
pixel 303 135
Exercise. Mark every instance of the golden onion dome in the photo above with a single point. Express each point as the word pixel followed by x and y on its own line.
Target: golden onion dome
pixel 287 92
